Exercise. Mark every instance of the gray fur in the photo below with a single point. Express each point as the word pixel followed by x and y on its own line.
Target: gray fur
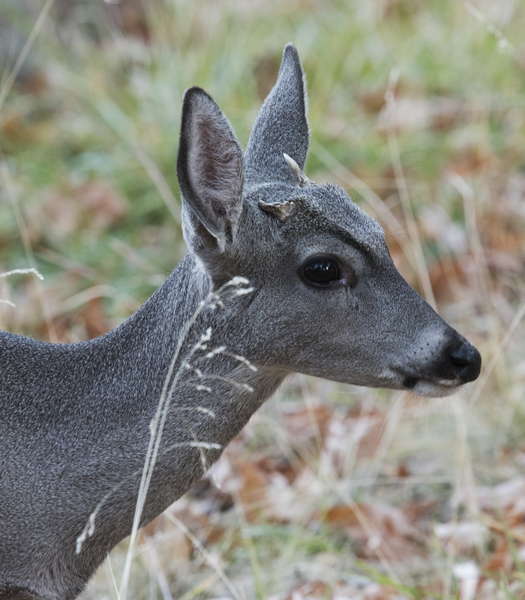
pixel 74 419
pixel 280 127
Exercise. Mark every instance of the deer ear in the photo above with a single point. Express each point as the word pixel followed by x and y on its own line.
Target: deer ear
pixel 281 127
pixel 210 169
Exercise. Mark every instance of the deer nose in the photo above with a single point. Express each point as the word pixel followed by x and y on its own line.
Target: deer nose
pixel 466 361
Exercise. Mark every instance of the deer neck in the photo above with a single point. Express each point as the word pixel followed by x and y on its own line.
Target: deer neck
pixel 86 445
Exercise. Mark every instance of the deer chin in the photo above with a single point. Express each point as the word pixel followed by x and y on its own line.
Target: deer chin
pixel 434 389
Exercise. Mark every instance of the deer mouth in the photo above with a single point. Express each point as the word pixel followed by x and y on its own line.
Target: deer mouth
pixel 435 384
pixel 429 388
pixel 409 382
pixel 458 364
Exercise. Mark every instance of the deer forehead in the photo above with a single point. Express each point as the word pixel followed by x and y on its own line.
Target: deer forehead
pixel 324 210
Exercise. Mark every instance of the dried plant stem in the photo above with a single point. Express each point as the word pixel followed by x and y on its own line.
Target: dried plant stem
pixel 201 587
pixel 401 183
pixel 464 475
pixel 250 546
pixel 481 272
pixel 158 422
pixel 156 430
pixel 8 84
pixel 487 371
pixel 23 272
pixel 209 558
pixel 53 337
pixel 89 528
pixel 112 575
pixel 503 43
pixel 19 272
pixel 387 436
pixel 157 568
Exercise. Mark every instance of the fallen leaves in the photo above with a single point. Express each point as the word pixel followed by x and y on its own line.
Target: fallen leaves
pixel 287 489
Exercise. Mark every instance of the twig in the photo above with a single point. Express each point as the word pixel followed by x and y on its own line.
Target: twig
pixel 25 51
pixel 413 233
pixel 209 557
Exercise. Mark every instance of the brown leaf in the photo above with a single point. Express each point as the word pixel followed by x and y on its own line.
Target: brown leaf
pixel 415 511
pixel 94 318
pixel 503 233
pixel 402 470
pixel 281 464
pixel 342 516
pixel 314 590
pixel 446 278
pixel 500 559
pixel 253 489
pixel 307 423
pixel 469 160
pixel 372 101
pixel 374 525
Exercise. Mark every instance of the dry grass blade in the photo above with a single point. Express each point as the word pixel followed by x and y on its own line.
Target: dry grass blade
pixel 158 422
pixel 8 83
pixel 496 355
pixel 209 558
pixel 53 337
pixel 413 233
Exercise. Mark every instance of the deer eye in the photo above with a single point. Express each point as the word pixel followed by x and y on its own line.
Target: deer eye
pixel 321 271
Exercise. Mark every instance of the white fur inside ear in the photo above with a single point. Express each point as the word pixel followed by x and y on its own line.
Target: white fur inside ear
pixel 300 177
pixel 213 169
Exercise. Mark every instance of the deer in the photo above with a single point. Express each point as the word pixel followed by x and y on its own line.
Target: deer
pixel 282 275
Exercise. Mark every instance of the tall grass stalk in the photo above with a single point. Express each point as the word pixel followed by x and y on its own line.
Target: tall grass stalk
pixel 158 423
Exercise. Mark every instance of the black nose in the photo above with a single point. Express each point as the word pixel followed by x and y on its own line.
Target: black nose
pixel 466 362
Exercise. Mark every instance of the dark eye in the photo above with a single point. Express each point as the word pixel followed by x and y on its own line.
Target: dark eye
pixel 321 270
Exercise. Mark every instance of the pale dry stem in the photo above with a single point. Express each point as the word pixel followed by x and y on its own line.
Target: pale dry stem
pixel 464 481
pixel 158 422
pixel 157 569
pixel 417 248
pixel 10 79
pixel 503 43
pixel 24 234
pixel 210 559
pixel 19 272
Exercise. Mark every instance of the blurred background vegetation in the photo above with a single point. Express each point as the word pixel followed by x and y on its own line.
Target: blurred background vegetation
pixel 417 108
